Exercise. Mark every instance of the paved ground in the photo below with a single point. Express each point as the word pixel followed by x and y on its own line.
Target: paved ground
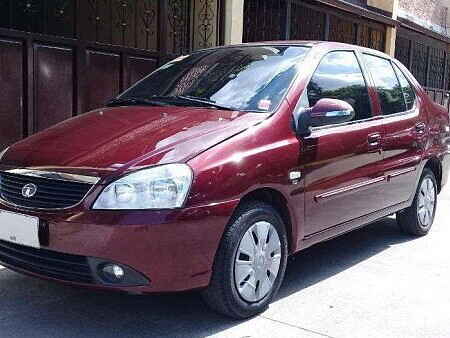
pixel 374 282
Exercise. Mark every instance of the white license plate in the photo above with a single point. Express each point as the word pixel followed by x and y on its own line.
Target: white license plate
pixel 19 229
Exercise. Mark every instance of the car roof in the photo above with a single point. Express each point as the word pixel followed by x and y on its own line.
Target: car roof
pixel 310 43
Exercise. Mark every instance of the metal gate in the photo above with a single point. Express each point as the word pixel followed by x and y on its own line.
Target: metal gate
pixel 428 61
pixel 60 58
pixel 301 20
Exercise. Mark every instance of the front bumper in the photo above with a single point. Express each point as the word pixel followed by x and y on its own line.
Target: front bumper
pixel 171 250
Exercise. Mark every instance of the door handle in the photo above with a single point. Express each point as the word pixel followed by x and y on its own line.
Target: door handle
pixel 374 139
pixel 420 127
pixel 374 143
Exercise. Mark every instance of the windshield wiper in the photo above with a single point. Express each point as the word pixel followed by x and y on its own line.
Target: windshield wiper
pixel 166 101
pixel 194 99
pixel 134 101
pixel 207 102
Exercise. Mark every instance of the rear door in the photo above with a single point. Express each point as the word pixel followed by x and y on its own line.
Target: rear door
pixel 343 175
pixel 404 128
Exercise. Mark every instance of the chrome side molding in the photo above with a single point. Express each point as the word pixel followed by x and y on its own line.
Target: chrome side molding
pixel 51 175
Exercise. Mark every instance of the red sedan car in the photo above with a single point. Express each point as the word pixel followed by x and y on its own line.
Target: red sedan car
pixel 212 170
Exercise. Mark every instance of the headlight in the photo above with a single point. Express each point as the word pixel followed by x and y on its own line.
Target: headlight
pixel 3 153
pixel 164 187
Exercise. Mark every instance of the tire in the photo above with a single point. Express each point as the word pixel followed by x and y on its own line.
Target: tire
pixel 418 218
pixel 250 297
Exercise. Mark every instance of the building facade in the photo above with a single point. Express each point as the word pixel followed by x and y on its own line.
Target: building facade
pixel 433 16
pixel 61 58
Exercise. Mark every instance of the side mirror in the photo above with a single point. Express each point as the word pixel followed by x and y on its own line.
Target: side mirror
pixel 323 113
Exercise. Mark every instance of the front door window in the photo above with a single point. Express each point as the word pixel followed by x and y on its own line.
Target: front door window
pixel 339 76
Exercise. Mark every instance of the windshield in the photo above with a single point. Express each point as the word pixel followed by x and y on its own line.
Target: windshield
pixel 250 78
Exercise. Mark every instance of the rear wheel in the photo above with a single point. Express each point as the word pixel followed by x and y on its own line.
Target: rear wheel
pixel 250 263
pixel 418 218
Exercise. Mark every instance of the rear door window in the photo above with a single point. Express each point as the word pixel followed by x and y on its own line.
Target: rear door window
pixel 408 92
pixel 387 84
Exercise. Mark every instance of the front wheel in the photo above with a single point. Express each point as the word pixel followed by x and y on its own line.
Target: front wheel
pixel 250 263
pixel 418 218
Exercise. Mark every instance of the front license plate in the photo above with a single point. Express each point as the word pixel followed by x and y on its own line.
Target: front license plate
pixel 19 229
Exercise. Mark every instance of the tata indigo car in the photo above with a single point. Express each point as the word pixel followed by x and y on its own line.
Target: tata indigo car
pixel 213 169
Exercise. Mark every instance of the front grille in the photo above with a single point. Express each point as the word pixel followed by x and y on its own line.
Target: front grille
pixel 51 193
pixel 46 263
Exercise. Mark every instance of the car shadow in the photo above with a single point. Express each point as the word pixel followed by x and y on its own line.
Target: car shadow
pixel 30 307
pixel 326 259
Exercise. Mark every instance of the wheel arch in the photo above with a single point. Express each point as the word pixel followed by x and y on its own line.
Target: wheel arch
pixel 436 167
pixel 277 200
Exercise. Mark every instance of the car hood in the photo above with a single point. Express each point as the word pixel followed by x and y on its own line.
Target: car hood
pixel 121 138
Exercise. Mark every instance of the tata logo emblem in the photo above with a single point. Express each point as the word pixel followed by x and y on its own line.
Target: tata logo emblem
pixel 29 190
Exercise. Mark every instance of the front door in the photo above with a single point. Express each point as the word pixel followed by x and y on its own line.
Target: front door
pixel 343 175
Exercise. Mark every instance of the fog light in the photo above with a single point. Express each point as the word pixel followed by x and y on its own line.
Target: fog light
pixel 113 272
